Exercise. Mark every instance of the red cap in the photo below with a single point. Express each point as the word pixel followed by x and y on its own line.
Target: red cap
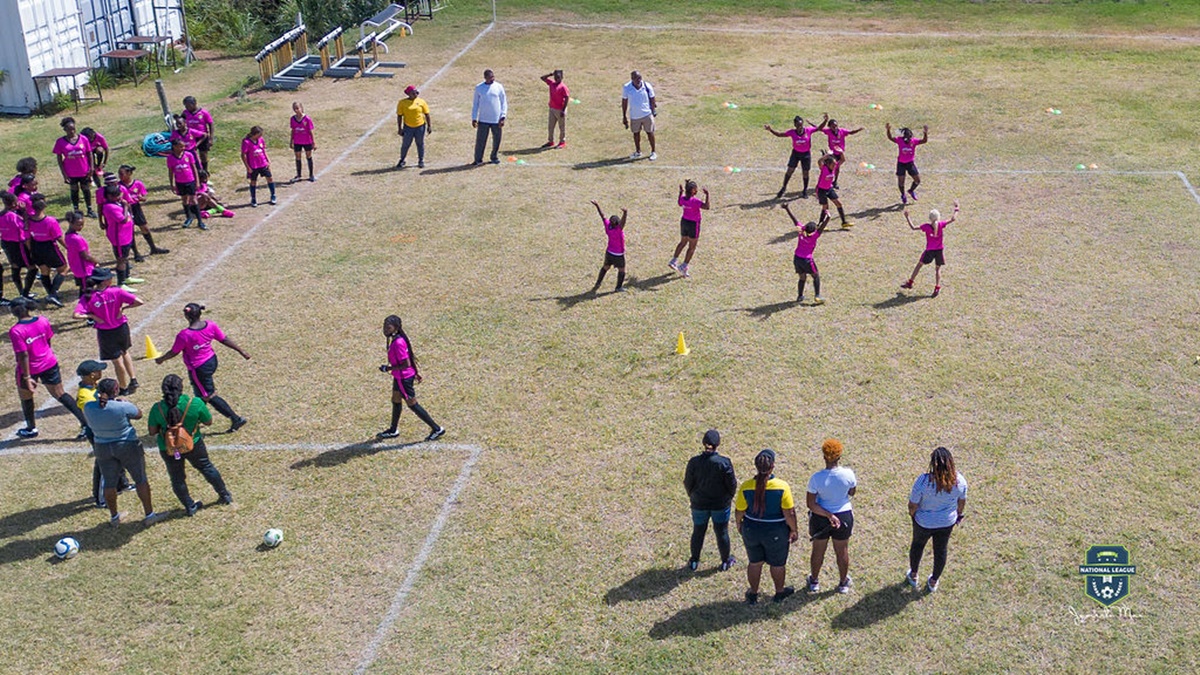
pixel 409 90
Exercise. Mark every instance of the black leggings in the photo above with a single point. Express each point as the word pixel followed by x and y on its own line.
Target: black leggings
pixel 941 541
pixel 198 458
pixel 721 530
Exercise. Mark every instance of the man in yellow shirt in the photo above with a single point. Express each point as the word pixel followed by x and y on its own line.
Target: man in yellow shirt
pixel 412 123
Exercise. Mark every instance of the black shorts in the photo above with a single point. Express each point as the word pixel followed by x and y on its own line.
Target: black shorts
pixel 45 253
pixel 766 542
pixel 909 168
pixel 689 228
pixel 202 378
pixel 16 254
pixel 120 252
pixel 186 189
pixel 617 260
pixel 803 159
pixel 50 376
pixel 139 216
pixel 826 194
pixel 302 146
pixel 253 174
pixel 838 156
pixel 84 181
pixel 407 390
pixel 114 459
pixel 204 145
pixel 933 256
pixel 805 265
pixel 113 342
pixel 819 526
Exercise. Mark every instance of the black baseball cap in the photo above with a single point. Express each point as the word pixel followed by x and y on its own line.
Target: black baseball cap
pixel 100 274
pixel 711 438
pixel 90 366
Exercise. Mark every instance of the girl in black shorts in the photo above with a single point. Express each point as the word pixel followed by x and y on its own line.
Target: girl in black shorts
pixel 45 248
pixel 75 162
pixel 689 226
pixel 614 255
pixel 12 239
pixel 402 366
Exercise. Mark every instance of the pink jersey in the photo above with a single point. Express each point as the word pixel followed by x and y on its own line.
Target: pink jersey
pixel 933 236
pixel 397 354
pixel 77 156
pixel 32 336
pixel 255 152
pixel 98 142
pixel 908 149
pixel 183 167
pixel 616 239
pixel 806 244
pixel 135 191
pixel 117 224
pixel 25 203
pixel 302 130
pixel 46 229
pixel 691 207
pixel 198 121
pixel 101 199
pixel 77 247
pixel 107 306
pixel 12 226
pixel 837 139
pixel 14 183
pixel 802 139
pixel 196 344
pixel 559 95
pixel 189 137
pixel 825 180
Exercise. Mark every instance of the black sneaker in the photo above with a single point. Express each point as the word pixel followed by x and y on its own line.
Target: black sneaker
pixel 139 258
pixel 401 164
pixel 226 499
pixel 390 433
pixel 779 195
pixel 693 565
pixel 83 434
pixel 28 432
pixel 729 562
pixel 238 424
pixel 751 598
pixel 159 251
pixel 191 510
pixel 53 300
pixel 132 388
pixel 436 434
pixel 128 487
pixel 91 214
pixel 786 593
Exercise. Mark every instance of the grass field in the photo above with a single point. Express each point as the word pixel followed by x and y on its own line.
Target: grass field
pixel 548 532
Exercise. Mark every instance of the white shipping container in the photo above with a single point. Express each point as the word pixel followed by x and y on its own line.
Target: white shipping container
pixel 36 36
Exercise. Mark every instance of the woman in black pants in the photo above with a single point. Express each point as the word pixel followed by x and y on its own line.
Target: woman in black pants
pixel 710 486
pixel 936 506
pixel 189 413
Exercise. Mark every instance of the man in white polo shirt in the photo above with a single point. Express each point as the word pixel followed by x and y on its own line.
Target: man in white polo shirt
pixel 638 109
pixel 488 111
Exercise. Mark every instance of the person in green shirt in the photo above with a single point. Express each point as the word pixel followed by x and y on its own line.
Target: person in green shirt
pixel 192 413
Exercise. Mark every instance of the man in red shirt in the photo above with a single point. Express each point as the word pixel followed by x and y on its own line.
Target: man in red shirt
pixel 560 96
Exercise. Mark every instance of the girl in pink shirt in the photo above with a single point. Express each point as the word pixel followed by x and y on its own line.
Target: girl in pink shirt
pixel 209 202
pixel 105 306
pixel 74 155
pixel 801 156
pixel 254 157
pixel 302 138
pixel 827 190
pixel 837 144
pixel 99 154
pixel 118 226
pixel 36 361
pixel 24 165
pixel 402 364
pixel 181 168
pixel 906 159
pixel 802 261
pixel 12 239
pixel 135 194
pixel 934 231
pixel 614 255
pixel 45 238
pixel 79 256
pixel 195 343
pixel 689 225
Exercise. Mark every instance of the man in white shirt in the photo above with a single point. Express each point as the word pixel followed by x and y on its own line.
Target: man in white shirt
pixel 488 112
pixel 638 109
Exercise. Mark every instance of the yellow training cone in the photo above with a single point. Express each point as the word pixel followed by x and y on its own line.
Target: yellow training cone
pixel 681 347
pixel 151 351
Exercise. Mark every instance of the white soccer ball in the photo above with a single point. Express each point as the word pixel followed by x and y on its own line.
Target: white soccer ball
pixel 66 548
pixel 273 537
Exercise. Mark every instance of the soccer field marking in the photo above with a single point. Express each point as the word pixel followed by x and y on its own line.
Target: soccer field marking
pixel 84 448
pixel 834 32
pixel 414 570
pixel 136 329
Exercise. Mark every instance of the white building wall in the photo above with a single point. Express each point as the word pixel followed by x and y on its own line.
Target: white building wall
pixel 36 36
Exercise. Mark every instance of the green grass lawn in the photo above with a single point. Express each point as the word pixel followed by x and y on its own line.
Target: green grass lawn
pixel 1057 364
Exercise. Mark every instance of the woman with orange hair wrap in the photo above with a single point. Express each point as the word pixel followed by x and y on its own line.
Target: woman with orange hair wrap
pixel 830 515
pixel 766 519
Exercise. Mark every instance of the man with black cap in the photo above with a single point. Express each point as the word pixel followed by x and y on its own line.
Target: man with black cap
pixel 89 373
pixel 413 122
pixel 36 362
pixel 710 486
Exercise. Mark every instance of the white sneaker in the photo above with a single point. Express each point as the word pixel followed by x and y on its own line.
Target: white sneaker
pixel 683 269
pixel 931 585
pixel 910 579
pixel 636 155
pixel 653 156
pixel 844 587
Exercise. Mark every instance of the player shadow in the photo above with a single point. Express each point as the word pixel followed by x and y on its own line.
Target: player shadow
pixel 897 300
pixel 722 614
pixel 448 169
pixel 876 606
pixel 381 171
pixel 339 456
pixel 785 237
pixel 764 312
pixel 523 152
pixel 10 418
pixel 100 537
pixel 19 523
pixel 652 283
pixel 69 325
pixel 569 301
pixel 874 213
pixel 601 163
pixel 770 202
pixel 653 583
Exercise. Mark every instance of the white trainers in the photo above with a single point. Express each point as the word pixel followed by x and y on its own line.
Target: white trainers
pixel 844 586
pixel 636 155
pixel 674 264
pixel 910 579
pixel 931 585
pixel 653 156
pixel 685 271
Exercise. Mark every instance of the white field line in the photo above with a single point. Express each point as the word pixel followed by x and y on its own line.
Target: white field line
pixel 135 329
pixel 83 448
pixel 846 32
pixel 439 524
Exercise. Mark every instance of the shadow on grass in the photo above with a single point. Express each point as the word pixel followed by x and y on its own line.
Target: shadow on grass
pixel 69 325
pixel 10 418
pixel 449 169
pixel 381 171
pixel 652 583
pixel 788 236
pixel 601 163
pixel 874 213
pixel 764 312
pixel 716 616
pixel 524 152
pixel 769 202
pixel 652 283
pixel 339 456
pixel 897 300
pixel 877 606
pixel 19 523
pixel 100 537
